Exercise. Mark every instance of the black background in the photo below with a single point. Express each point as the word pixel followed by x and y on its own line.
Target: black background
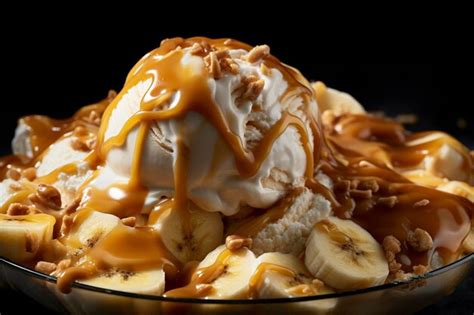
pixel 54 66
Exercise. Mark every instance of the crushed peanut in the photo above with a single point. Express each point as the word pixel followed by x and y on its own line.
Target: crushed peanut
pixel 420 240
pixel 13 174
pixel 252 86
pixel 213 65
pixel 392 246
pixel 49 196
pixel 29 173
pixel 342 186
pixel 389 202
pixel 45 267
pixel 257 53
pixel 129 221
pixel 18 209
pixel 234 242
pixel 421 203
pixel 363 194
pixel 370 184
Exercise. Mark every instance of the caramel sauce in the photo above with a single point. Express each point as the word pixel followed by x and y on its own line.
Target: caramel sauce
pixel 257 278
pixel 127 248
pixel 371 146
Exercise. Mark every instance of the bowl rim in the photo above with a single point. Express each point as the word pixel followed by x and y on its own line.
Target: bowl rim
pixel 30 272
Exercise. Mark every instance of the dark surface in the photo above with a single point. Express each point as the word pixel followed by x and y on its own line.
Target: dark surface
pixel 53 68
pixel 461 302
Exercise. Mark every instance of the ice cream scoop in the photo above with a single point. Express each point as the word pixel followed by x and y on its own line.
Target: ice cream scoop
pixel 230 125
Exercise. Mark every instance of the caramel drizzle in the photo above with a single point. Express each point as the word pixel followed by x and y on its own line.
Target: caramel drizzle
pixel 381 144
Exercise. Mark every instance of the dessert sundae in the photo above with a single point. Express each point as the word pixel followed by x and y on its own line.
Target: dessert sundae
pixel 218 172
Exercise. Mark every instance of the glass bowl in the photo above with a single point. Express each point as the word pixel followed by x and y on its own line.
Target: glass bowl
pixel 393 298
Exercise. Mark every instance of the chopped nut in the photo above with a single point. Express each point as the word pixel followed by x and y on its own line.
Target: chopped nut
pixel 354 183
pixel 391 244
pixel 129 221
pixel 257 53
pixel 357 193
pixel 213 65
pixel 252 87
pixel 79 145
pixel 80 131
pixel 421 203
pixel 29 173
pixel 198 49
pixel 17 209
pixel 370 184
pixel 229 65
pixel 49 196
pixel 389 202
pixel 234 242
pixel 342 186
pixel 420 240
pixel 45 267
pixel 420 269
pixel 13 174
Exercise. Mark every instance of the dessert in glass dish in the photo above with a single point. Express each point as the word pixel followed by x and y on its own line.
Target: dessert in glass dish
pixel 218 172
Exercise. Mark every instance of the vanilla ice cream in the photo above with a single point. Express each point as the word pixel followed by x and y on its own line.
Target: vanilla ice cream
pixel 213 179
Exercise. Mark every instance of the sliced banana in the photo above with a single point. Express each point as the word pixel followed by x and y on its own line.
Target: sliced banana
pixel 228 272
pixel 23 236
pixel 204 233
pixel 89 227
pixel 284 275
pixel 150 282
pixel 344 255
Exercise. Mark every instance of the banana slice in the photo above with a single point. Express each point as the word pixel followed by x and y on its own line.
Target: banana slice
pixel 23 236
pixel 89 227
pixel 283 275
pixel 150 282
pixel 344 255
pixel 223 274
pixel 205 228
